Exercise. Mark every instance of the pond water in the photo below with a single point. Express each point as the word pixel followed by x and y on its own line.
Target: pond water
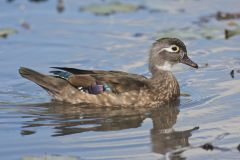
pixel 33 127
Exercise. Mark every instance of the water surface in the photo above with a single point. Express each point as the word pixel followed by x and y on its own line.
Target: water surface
pixel 33 126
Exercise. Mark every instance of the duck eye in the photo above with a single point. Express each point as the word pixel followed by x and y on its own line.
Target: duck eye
pixel 175 48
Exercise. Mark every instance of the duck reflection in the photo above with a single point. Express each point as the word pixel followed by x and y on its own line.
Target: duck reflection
pixel 163 137
pixel 72 119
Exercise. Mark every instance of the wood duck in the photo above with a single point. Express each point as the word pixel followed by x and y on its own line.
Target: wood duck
pixel 117 88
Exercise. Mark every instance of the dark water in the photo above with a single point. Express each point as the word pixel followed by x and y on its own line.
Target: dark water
pixel 33 127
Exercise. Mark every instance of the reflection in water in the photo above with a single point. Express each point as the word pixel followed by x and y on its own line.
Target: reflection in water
pixel 163 137
pixel 71 119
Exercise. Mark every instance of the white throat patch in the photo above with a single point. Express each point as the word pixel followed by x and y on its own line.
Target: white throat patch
pixel 166 66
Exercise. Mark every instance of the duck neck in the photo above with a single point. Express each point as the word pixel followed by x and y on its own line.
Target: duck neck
pixel 164 80
pixel 160 68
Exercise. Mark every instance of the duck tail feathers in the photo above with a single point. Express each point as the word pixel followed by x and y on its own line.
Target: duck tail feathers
pixel 50 83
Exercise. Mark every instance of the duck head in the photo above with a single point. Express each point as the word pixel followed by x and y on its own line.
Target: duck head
pixel 166 52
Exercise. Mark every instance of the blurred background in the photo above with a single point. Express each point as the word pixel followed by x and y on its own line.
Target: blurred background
pixel 117 35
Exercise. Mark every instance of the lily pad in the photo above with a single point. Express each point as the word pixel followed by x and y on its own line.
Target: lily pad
pixel 231 33
pixel 227 16
pixel 4 32
pixel 60 6
pixel 194 33
pixel 185 95
pixel 110 8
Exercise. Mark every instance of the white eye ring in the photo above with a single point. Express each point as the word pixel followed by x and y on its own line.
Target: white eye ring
pixel 175 48
pixel 172 48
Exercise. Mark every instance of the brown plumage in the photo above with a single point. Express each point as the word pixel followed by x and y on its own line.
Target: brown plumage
pixel 119 81
pixel 120 88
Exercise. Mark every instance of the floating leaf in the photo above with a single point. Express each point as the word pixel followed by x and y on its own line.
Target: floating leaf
pixel 4 32
pixel 27 132
pixel 26 25
pixel 60 6
pixel 231 33
pixel 226 15
pixel 193 33
pixel 232 23
pixel 110 8
pixel 185 95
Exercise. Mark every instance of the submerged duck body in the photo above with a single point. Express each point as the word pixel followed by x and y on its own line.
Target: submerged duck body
pixel 117 88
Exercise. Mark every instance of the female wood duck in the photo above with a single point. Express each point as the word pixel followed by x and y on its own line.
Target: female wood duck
pixel 117 88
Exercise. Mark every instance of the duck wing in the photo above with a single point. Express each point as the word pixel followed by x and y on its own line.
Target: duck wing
pixel 117 81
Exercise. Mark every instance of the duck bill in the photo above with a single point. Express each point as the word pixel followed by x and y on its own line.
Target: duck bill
pixel 186 60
